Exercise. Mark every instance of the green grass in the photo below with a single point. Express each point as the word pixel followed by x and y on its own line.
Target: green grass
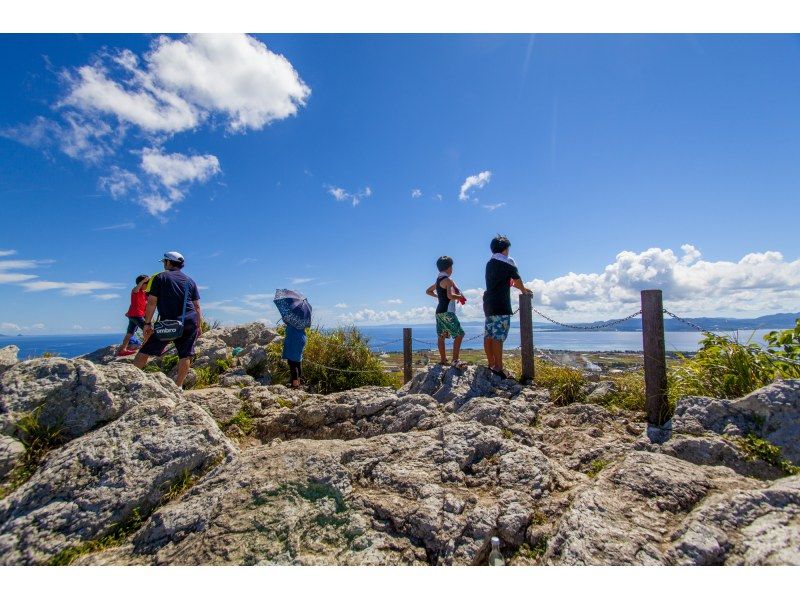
pixel 758 448
pixel 242 420
pixel 595 467
pixel 38 440
pixel 532 552
pixel 343 348
pixel 115 537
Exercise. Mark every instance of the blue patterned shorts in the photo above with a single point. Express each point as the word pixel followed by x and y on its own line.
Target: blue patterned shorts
pixel 497 327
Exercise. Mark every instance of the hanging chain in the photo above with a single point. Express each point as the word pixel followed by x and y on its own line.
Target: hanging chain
pixel 591 327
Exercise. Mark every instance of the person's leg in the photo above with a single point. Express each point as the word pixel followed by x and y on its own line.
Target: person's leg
pixel 294 372
pixel 442 349
pixel 141 359
pixel 124 346
pixel 498 354
pixel 183 370
pixel 457 347
pixel 487 348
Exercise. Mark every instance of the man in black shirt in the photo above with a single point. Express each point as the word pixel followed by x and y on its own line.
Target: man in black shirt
pixel 501 275
pixel 169 291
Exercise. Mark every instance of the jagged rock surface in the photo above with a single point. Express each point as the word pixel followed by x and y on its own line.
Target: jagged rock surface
pixel 8 357
pixel 75 395
pixel 424 475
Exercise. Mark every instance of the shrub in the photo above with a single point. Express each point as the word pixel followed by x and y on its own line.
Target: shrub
pixel 724 368
pixel 564 383
pixel 344 349
pixel 758 448
pixel 628 391
pixel 213 325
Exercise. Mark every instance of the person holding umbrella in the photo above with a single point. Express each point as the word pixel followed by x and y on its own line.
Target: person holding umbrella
pixel 296 314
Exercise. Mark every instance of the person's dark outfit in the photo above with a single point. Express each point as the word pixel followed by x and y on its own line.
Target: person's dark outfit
pixel 168 287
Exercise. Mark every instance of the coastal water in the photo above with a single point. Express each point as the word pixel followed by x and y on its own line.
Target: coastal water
pixel 389 338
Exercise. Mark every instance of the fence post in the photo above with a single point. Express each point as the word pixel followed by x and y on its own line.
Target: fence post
pixel 655 358
pixel 406 355
pixel 526 336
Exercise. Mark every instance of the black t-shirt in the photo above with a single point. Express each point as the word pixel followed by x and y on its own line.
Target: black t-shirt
pixel 497 297
pixel 168 287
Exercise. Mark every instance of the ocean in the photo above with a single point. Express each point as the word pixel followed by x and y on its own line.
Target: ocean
pixel 389 338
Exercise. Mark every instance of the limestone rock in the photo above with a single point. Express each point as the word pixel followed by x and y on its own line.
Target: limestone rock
pixel 253 359
pixel 243 335
pixel 90 484
pixel 456 386
pixel 772 412
pixel 8 357
pixel 222 403
pixel 208 350
pixel 11 453
pixel 77 395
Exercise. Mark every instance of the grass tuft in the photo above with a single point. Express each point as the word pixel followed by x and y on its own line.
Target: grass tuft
pixel 758 448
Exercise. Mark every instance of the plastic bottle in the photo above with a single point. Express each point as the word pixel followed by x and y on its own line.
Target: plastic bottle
pixel 495 558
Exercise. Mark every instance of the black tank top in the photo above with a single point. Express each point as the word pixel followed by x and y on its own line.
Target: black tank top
pixel 444 300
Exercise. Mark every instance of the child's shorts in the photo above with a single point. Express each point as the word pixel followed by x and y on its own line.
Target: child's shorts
pixel 448 326
pixel 497 327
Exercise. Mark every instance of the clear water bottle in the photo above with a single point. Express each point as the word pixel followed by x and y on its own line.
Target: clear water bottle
pixel 495 558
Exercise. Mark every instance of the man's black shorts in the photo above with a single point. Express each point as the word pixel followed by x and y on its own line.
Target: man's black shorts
pixel 184 344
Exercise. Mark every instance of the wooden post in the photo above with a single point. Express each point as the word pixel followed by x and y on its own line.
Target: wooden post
pixel 655 358
pixel 526 336
pixel 406 355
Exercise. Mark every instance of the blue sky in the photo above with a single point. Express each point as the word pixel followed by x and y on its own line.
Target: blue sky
pixel 343 166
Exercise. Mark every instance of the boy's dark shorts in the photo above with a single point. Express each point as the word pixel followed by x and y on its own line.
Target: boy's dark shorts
pixel 134 323
pixel 184 344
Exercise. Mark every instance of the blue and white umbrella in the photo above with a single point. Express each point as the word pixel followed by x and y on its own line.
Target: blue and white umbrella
pixel 293 307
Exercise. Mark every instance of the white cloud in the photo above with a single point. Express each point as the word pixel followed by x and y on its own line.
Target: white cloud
pixel 371 316
pixel 416 193
pixel 300 280
pixel 14 277
pixel 121 226
pixel 105 296
pixel 758 283
pixel 70 289
pixel 7 252
pixel 77 327
pixel 226 307
pixel 178 85
pixel 38 326
pixel 341 305
pixel 233 74
pixel 10 327
pixel 494 206
pixel 119 183
pixel 395 301
pixel 476 181
pixel 439 196
pixel 340 194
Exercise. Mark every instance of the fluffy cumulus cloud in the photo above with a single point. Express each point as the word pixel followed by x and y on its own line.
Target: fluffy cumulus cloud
pixel 416 193
pixel 476 181
pixel 340 194
pixel 178 85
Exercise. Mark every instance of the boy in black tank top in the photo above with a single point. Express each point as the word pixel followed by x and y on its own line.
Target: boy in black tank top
pixel 447 324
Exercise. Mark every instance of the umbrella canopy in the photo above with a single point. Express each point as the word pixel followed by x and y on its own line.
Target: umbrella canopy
pixel 293 307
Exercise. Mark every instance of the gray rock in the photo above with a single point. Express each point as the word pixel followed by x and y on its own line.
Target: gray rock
pixel 76 396
pixel 743 527
pixel 242 335
pixel 105 355
pixel 771 412
pixel 598 391
pixel 253 359
pixel 237 378
pixel 222 403
pixel 8 357
pixel 11 453
pixel 209 350
pixel 716 450
pixel 87 486
pixel 456 386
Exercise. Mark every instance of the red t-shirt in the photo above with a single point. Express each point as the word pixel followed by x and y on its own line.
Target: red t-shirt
pixel 138 303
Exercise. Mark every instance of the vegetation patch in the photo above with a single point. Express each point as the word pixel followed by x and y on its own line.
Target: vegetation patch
pixel 534 552
pixel 115 537
pixel 565 384
pixel 333 360
pixel 242 420
pixel 38 440
pixel 595 467
pixel 757 448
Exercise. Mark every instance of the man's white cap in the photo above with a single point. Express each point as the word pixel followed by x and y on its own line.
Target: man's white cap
pixel 172 256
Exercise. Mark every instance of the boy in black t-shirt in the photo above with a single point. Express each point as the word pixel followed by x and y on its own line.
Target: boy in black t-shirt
pixel 501 275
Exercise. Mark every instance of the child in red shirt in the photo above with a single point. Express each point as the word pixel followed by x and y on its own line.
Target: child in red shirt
pixel 135 313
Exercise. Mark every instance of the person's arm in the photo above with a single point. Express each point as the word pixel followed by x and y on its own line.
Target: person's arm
pixel 431 291
pixel 451 290
pixel 141 285
pixel 522 288
pixel 196 304
pixel 149 310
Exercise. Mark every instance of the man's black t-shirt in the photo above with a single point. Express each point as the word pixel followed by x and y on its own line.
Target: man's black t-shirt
pixel 169 288
pixel 497 297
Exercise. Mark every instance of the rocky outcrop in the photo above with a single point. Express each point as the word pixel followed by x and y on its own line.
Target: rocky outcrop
pixel 8 357
pixel 424 475
pixel 75 395
pixel 11 453
pixel 244 335
pixel 771 412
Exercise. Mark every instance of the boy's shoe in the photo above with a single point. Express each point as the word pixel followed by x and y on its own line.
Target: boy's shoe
pixel 126 352
pixel 500 373
pixel 459 364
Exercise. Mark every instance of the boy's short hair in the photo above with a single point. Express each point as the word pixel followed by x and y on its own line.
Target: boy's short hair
pixel 444 262
pixel 499 244
pixel 140 278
